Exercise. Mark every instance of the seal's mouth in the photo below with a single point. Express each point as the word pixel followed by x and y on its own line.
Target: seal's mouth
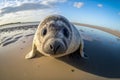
pixel 54 47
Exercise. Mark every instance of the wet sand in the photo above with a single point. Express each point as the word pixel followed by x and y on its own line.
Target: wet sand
pixel 103 62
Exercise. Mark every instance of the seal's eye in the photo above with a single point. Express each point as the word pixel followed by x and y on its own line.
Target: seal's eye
pixel 44 32
pixel 65 32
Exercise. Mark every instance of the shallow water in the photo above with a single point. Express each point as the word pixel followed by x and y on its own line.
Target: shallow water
pixel 103 50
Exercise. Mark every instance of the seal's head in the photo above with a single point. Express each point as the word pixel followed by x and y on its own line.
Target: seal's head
pixel 55 35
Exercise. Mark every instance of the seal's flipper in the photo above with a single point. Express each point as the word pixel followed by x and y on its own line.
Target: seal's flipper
pixel 83 55
pixel 32 53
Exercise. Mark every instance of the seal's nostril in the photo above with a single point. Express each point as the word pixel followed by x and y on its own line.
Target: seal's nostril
pixel 57 47
pixel 51 47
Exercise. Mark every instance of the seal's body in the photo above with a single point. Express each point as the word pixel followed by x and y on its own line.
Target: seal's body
pixel 56 37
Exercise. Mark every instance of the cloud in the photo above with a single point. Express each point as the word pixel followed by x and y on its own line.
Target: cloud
pixel 51 2
pixel 27 10
pixel 78 4
pixel 23 5
pixel 100 5
pixel 0 11
pixel 26 16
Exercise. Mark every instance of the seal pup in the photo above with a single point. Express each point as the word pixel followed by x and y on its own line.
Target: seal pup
pixel 56 37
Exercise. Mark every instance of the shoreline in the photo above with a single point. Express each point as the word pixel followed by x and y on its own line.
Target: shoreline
pixel 111 31
pixel 114 32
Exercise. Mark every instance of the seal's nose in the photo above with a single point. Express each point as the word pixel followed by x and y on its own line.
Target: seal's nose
pixel 55 47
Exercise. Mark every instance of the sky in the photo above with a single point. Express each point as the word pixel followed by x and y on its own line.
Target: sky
pixel 105 13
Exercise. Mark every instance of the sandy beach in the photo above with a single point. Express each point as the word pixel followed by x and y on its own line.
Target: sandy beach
pixel 103 62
